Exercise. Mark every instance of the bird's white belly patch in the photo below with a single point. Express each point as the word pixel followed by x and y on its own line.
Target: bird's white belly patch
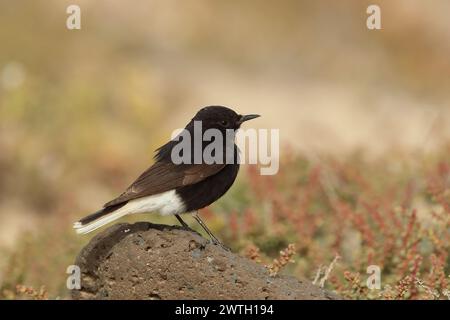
pixel 166 203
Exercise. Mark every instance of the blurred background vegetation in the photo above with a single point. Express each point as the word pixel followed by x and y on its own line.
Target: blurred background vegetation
pixel 364 119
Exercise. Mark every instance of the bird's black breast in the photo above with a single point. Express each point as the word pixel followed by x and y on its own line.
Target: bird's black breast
pixel 205 192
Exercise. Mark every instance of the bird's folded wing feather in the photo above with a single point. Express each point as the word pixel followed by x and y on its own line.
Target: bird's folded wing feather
pixel 165 176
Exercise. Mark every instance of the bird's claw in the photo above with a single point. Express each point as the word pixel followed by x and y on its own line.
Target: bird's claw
pixel 218 243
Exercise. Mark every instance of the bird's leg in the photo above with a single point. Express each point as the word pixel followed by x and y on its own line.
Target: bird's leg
pixel 212 236
pixel 184 224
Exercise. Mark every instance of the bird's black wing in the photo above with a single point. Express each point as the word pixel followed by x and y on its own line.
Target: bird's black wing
pixel 165 176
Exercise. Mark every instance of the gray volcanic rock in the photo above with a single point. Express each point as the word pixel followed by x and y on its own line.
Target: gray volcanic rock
pixel 148 261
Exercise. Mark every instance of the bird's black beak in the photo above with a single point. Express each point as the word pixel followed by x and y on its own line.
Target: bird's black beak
pixel 248 117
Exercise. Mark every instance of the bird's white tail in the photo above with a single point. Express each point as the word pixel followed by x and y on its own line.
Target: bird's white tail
pixel 167 203
pixel 83 229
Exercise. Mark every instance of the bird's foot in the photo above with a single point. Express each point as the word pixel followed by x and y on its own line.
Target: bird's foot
pixel 216 242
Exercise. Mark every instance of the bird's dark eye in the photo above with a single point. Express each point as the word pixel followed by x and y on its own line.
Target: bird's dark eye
pixel 224 123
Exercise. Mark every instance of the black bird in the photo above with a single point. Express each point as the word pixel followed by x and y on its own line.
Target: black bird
pixel 173 189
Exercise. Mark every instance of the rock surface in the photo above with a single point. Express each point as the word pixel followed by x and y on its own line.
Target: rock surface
pixel 148 261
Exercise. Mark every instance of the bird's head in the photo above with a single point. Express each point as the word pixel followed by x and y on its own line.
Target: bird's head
pixel 222 118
